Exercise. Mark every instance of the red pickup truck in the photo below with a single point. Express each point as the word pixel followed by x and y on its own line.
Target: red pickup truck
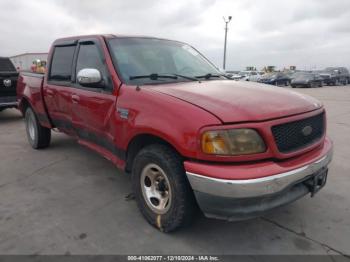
pixel 189 136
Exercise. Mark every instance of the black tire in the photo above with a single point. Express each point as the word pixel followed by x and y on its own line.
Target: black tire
pixel 182 206
pixel 293 86
pixel 38 136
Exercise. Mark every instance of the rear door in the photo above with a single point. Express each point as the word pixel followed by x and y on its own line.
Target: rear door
pixel 93 108
pixel 58 88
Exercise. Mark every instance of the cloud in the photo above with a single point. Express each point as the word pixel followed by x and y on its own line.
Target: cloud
pixel 262 32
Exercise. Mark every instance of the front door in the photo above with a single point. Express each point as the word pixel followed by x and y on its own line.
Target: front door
pixel 94 108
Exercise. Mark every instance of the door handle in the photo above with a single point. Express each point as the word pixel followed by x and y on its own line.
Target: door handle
pixel 75 99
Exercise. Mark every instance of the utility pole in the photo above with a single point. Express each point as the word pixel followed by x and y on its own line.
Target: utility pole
pixel 226 29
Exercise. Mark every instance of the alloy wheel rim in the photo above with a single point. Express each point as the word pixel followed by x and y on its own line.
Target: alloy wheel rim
pixel 31 127
pixel 156 188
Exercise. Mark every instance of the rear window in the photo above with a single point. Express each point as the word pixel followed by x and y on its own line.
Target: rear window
pixel 6 65
pixel 61 66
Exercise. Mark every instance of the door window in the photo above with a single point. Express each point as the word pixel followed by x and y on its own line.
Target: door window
pixel 90 57
pixel 61 66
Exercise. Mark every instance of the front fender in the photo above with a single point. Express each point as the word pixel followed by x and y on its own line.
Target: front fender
pixel 173 120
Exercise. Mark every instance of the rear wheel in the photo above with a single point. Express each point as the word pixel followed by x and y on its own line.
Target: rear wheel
pixel 38 136
pixel 161 189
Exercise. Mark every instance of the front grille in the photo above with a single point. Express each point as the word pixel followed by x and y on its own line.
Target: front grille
pixel 8 91
pixel 299 134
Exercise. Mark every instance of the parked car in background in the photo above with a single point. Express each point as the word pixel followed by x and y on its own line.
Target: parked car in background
pixel 189 137
pixel 252 76
pixel 304 79
pixel 276 78
pixel 335 76
pixel 8 82
pixel 233 76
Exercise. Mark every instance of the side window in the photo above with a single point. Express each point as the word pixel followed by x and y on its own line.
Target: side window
pixel 90 57
pixel 61 66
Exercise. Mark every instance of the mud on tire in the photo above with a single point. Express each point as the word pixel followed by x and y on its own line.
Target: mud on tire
pixel 173 209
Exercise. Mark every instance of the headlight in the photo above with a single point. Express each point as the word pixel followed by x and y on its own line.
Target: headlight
pixel 232 142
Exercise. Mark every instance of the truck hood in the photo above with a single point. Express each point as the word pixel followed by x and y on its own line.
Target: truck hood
pixel 233 101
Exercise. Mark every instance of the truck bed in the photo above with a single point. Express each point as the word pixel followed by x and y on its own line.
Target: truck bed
pixel 31 85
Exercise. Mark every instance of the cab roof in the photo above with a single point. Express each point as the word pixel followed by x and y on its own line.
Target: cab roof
pixel 99 36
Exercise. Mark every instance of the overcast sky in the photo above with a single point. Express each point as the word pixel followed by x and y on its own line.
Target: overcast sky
pixel 308 34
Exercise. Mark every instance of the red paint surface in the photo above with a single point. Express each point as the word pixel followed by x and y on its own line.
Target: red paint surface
pixel 177 113
pixel 257 169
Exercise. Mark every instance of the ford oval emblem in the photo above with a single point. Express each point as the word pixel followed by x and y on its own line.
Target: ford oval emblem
pixel 7 82
pixel 307 130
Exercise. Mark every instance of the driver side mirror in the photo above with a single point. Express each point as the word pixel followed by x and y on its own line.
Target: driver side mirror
pixel 90 77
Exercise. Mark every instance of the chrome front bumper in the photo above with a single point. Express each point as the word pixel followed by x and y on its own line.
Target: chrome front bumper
pixel 256 187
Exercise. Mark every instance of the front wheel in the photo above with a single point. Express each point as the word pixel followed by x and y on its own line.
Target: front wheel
pixel 38 136
pixel 161 189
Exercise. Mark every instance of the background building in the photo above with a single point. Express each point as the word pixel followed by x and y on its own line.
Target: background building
pixel 24 61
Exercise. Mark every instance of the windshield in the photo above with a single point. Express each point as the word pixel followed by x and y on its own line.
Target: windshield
pixel 136 56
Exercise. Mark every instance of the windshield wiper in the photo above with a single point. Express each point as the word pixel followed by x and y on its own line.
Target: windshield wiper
pixel 208 76
pixel 153 76
pixel 187 77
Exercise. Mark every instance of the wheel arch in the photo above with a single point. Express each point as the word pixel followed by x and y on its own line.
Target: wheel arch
pixel 38 107
pixel 140 141
pixel 24 104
